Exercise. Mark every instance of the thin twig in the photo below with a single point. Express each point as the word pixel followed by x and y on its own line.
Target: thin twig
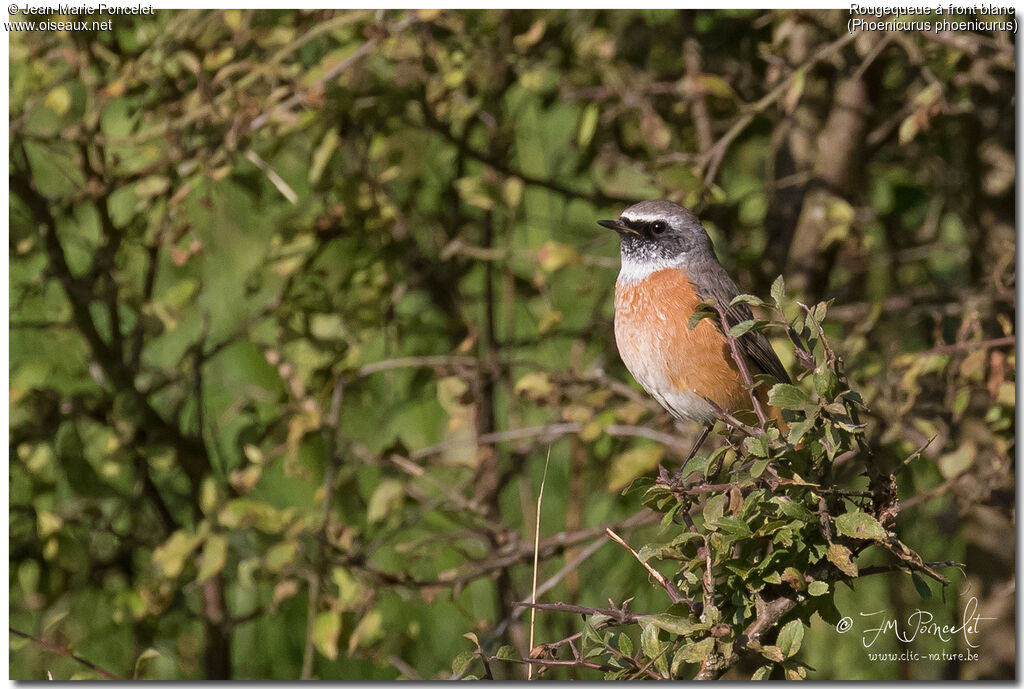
pixel 708 580
pixel 407 670
pixel 536 556
pixel 741 363
pixel 550 432
pixel 332 460
pixel 713 159
pixel 356 55
pixel 275 179
pixel 970 346
pixel 53 648
pixel 617 615
pixel 549 584
pixel 671 590
pixel 730 418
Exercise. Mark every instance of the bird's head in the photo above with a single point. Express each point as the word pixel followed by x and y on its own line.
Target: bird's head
pixel 659 234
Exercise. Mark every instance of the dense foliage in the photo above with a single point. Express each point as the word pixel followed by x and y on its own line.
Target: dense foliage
pixel 301 302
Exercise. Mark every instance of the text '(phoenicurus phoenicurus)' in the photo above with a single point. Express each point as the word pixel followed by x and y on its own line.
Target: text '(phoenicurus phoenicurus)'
pixel 668 268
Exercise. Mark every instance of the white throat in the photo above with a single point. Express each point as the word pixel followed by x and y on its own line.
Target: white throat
pixel 633 270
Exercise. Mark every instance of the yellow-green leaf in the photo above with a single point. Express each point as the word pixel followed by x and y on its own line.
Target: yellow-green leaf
pixel 632 463
pixel 322 155
pixel 215 556
pixel 530 36
pixel 588 125
pixel 860 525
pixel 367 631
pixel 842 558
pixel 170 556
pixel 958 461
pixel 554 255
pixel 326 629
pixel 58 100
pixel 534 384
pixel 47 524
pixel 280 555
pixel 386 497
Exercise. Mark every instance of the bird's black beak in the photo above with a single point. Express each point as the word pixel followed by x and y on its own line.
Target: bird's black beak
pixel 617 225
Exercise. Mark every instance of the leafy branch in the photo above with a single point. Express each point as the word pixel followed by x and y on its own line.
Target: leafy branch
pixel 759 531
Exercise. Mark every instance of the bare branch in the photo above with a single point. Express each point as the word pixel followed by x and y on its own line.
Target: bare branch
pixel 670 589
pixel 53 648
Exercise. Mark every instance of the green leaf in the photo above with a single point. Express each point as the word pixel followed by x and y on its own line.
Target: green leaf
pixel 322 155
pixel 798 430
pixel 793 577
pixel 697 651
pixel 462 661
pixel 650 644
pixel 827 610
pixel 148 654
pixel 860 525
pixel 734 526
pixel 507 652
pixel 715 507
pixel 842 558
pixel 817 588
pixel 790 638
pixel 778 291
pixel 699 314
pixel 826 384
pixel 671 550
pixel 625 644
pixel 326 628
pixel 773 653
pixel 757 446
pixel 673 624
pixel 787 396
pixel 792 508
pixel 473 192
pixel 746 299
pixel 921 585
pixel 762 673
pixel 744 327
pixel 180 293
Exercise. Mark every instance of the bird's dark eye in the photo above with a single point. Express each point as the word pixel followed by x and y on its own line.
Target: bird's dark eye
pixel 659 226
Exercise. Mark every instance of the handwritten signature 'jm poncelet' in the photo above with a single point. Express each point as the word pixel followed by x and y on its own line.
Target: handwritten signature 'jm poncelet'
pixel 922 623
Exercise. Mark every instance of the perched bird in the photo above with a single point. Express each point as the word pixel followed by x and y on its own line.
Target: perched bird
pixel 668 268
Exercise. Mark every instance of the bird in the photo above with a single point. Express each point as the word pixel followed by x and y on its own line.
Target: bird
pixel 668 267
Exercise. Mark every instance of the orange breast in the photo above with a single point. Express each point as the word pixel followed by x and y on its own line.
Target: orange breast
pixel 676 365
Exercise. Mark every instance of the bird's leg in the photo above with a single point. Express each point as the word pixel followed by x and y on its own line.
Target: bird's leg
pixel 693 451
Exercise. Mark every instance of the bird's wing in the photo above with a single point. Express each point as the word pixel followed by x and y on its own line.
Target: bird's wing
pixel 713 282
